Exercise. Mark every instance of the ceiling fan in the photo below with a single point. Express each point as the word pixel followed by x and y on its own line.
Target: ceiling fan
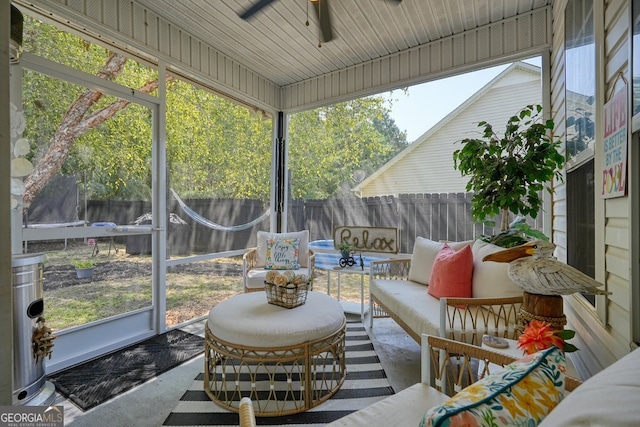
pixel 321 8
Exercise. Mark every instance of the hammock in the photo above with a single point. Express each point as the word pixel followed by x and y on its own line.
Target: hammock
pixel 210 224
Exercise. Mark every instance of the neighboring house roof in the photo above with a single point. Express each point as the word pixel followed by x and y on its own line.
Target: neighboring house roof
pixel 397 172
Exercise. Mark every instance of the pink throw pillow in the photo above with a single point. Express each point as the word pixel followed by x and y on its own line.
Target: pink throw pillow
pixel 452 273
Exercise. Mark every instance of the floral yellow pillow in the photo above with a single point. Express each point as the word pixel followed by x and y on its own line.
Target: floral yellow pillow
pixel 522 393
pixel 282 254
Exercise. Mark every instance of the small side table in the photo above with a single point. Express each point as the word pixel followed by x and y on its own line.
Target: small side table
pixel 329 262
pixel 349 307
pixel 514 351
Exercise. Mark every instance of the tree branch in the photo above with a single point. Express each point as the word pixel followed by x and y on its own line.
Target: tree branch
pixel 76 123
pixel 99 117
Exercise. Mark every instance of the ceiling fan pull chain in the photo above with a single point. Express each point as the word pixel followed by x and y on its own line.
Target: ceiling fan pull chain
pixel 321 9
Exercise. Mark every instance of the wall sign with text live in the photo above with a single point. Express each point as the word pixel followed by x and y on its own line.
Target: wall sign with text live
pixel 614 170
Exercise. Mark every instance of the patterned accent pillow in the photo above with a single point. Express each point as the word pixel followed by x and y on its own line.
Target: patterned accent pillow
pixel 282 254
pixel 522 393
pixel 263 236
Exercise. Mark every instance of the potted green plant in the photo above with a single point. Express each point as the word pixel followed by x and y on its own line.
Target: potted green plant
pixel 345 249
pixel 84 267
pixel 509 171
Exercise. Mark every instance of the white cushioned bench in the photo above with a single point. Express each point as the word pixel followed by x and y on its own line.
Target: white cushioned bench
pixel 399 289
pixel 405 408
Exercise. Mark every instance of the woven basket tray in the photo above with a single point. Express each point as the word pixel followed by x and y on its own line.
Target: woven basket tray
pixel 287 296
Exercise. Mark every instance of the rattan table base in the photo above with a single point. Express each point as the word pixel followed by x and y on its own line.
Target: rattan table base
pixel 280 380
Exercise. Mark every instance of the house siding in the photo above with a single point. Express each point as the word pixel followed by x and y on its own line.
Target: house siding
pixel 604 334
pixel 428 166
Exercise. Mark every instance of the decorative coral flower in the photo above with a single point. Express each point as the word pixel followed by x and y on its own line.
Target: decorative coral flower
pixel 539 336
pixel 463 419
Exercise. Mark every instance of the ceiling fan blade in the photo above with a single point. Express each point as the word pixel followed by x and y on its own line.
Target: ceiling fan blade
pixel 324 19
pixel 255 8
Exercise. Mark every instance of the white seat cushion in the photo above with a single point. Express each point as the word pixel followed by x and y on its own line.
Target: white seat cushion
pixel 411 302
pixel 609 398
pixel 405 408
pixel 421 312
pixel 249 320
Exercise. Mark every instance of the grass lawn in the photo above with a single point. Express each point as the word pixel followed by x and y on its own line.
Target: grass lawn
pixel 122 283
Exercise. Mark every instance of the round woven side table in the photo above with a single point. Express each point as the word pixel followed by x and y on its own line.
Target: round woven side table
pixel 286 360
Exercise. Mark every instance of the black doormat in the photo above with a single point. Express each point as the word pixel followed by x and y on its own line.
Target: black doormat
pixel 93 382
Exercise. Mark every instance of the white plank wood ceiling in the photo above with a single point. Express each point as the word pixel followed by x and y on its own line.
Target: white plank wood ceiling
pixel 276 43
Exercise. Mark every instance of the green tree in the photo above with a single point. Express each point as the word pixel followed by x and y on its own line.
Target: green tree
pixel 328 144
pixel 509 171
pixel 70 125
pixel 215 147
pixel 392 134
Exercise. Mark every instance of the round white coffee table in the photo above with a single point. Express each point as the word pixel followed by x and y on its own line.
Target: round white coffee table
pixel 286 360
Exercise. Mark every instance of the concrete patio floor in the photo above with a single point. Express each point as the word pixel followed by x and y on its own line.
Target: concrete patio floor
pixel 151 403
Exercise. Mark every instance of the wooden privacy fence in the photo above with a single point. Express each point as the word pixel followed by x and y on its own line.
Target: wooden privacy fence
pixel 435 216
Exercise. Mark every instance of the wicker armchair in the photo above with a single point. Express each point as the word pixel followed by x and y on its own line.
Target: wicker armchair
pixel 250 260
pixel 467 319
pixel 442 357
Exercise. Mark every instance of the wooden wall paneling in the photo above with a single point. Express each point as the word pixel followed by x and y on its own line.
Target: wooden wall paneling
pixel 139 24
pixel 94 10
pixel 164 44
pixel 110 13
pixel 125 18
pixel 151 28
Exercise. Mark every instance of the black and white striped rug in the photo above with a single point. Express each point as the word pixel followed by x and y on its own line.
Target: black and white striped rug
pixel 365 383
